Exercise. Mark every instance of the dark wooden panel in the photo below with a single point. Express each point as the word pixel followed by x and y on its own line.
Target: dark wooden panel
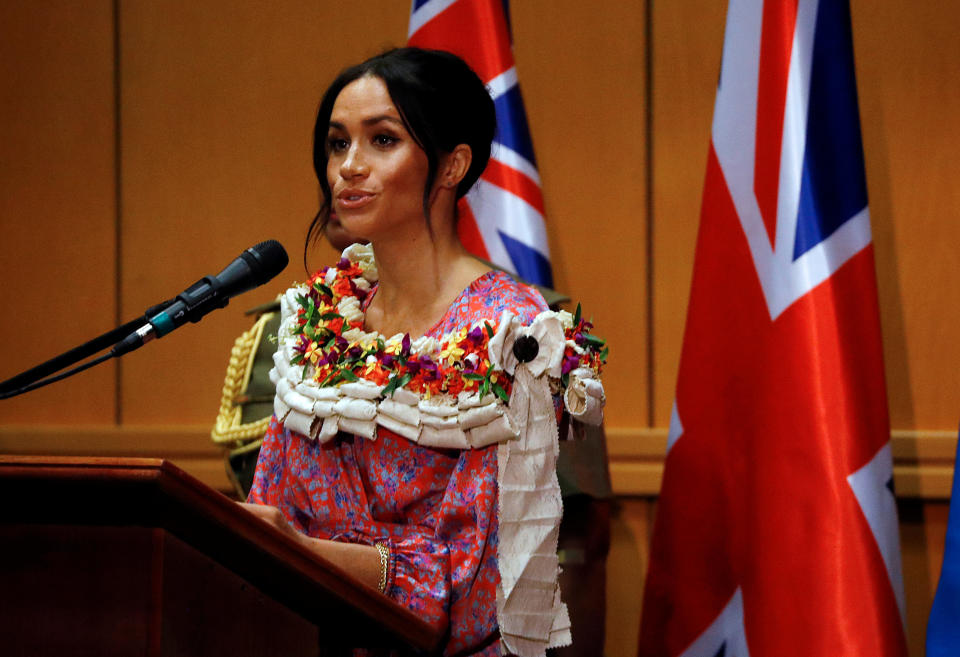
pixel 154 493
pixel 75 590
pixel 250 622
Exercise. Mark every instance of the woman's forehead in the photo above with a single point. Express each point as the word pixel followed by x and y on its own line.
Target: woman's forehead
pixel 363 100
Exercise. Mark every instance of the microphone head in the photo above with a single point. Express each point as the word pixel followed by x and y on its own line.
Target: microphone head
pixel 252 268
pixel 266 260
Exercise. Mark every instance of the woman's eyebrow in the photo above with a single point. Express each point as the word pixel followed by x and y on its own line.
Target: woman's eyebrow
pixel 370 121
pixel 382 117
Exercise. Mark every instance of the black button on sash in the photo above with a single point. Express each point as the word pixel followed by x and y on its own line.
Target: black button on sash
pixel 526 348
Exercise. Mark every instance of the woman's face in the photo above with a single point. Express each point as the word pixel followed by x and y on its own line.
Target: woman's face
pixel 375 169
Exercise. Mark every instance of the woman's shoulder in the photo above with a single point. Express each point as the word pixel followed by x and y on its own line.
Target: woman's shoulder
pixel 499 291
pixel 488 296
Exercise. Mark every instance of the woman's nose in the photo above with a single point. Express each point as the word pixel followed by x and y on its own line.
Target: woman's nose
pixel 354 163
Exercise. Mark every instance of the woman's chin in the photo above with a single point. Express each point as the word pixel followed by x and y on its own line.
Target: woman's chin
pixel 338 236
pixel 359 226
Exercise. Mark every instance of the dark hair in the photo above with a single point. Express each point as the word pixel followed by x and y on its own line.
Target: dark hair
pixel 442 103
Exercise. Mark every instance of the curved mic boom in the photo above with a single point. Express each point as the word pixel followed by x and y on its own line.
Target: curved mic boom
pixel 250 269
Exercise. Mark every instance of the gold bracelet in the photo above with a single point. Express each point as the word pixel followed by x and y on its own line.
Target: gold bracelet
pixel 384 551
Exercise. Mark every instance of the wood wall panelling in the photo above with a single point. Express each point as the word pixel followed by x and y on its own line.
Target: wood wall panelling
pixel 205 169
pixel 189 447
pixel 584 83
pixel 923 462
pixel 57 194
pixel 908 59
pixel 218 104
pixel 630 531
pixel 923 527
pixel 684 71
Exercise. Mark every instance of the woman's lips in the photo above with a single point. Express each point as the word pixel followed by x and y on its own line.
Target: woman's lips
pixel 351 199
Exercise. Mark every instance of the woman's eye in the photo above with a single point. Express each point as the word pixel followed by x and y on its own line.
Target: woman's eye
pixel 336 144
pixel 385 140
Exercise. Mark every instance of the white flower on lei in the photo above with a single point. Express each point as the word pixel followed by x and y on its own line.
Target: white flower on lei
pixel 546 329
pixel 566 319
pixel 362 254
pixel 349 307
pixel 361 338
pixel 362 284
pixel 425 345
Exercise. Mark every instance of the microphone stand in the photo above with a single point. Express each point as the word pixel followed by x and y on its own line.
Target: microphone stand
pixel 31 378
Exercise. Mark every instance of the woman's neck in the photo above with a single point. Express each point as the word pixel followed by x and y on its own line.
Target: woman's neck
pixel 419 277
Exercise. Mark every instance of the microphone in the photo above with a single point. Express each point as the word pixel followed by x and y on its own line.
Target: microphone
pixel 250 269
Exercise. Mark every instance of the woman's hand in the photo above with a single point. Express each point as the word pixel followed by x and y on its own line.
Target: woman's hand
pixel 273 516
pixel 362 561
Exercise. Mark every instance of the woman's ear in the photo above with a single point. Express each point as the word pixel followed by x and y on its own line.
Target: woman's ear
pixel 455 166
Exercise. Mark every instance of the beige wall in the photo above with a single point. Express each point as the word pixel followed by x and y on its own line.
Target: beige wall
pixel 145 143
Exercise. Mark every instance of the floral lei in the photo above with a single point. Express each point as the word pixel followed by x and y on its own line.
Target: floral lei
pixel 328 335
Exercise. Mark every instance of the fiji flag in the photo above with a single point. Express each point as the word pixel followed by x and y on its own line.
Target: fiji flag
pixel 943 628
pixel 776 531
pixel 501 219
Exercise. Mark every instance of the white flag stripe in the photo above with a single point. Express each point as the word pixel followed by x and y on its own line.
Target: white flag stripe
pixel 499 211
pixel 879 506
pixel 727 631
pixel 820 262
pixel 502 83
pixel 513 159
pixel 793 141
pixel 426 13
pixel 496 251
pixel 517 218
pixel 735 113
pixel 676 427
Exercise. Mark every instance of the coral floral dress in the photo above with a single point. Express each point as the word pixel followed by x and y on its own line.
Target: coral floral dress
pixel 435 508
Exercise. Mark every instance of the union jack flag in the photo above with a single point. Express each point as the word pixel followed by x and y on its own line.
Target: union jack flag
pixel 501 219
pixel 776 530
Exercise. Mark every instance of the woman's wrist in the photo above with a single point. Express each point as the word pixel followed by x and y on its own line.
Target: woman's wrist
pixel 384 551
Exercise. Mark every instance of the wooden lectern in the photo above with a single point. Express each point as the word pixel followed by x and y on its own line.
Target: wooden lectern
pixel 105 556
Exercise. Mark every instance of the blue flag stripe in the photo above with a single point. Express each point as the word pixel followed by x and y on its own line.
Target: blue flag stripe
pixel 834 186
pixel 512 129
pixel 529 263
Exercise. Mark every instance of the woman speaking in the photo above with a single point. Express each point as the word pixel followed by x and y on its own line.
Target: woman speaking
pixel 415 431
